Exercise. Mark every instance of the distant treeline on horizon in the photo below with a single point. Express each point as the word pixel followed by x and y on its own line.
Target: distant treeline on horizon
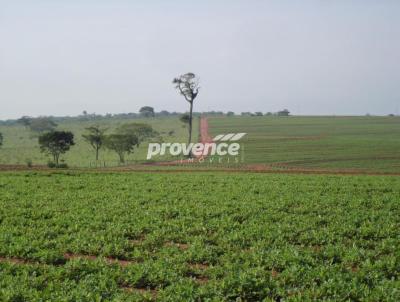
pixel 144 112
pixel 149 112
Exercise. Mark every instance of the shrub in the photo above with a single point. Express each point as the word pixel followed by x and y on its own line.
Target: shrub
pixel 29 163
pixel 51 164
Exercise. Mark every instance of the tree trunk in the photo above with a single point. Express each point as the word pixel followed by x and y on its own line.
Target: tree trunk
pixel 56 156
pixel 190 122
pixel 97 153
pixel 121 158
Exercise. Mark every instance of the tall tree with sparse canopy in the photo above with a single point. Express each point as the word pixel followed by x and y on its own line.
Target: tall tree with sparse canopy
pixel 95 138
pixel 188 86
pixel 56 143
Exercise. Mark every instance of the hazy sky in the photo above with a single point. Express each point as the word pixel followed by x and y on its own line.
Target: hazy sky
pixel 61 57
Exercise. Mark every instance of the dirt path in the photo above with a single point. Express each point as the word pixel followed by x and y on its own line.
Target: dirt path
pixel 205 136
pixel 163 168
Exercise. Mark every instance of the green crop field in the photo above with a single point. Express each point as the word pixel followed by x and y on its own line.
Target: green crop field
pixel 21 145
pixel 68 236
pixel 357 143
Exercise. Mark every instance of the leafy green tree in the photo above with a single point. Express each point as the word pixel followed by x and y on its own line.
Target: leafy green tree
pixel 42 124
pixel 95 138
pixel 122 144
pixel 141 130
pixel 164 113
pixel 147 111
pixel 56 143
pixel 284 112
pixel 188 86
pixel 25 121
pixel 230 113
pixel 185 119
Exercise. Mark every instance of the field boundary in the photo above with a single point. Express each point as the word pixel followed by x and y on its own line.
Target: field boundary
pixel 169 168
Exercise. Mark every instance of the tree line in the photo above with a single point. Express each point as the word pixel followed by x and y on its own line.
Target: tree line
pixel 36 122
pixel 122 141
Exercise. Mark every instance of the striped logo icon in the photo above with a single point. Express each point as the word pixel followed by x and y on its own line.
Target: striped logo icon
pixel 232 137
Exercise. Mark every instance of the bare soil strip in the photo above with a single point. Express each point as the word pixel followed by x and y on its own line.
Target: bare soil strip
pixel 69 257
pixel 109 260
pixel 251 168
pixel 205 136
pixel 199 266
pixel 14 260
pixel 180 246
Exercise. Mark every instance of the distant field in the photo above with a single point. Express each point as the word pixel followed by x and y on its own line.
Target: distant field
pixel 21 144
pixel 198 237
pixel 359 143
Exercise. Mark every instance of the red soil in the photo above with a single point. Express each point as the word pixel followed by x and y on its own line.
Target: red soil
pixel 205 137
